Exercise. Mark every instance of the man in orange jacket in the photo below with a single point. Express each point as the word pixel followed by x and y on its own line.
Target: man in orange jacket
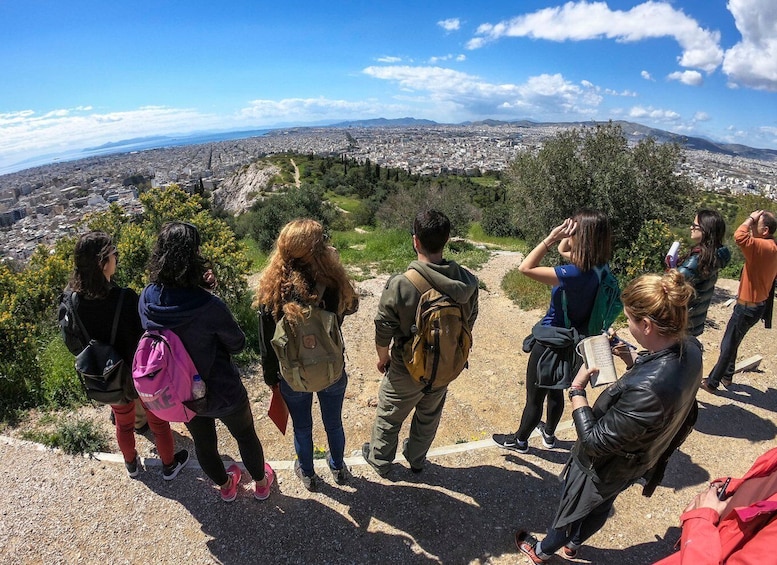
pixel 734 521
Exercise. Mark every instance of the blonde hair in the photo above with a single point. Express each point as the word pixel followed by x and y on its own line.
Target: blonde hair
pixel 663 299
pixel 300 261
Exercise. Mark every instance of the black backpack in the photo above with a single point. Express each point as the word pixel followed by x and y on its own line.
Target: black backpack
pixel 105 376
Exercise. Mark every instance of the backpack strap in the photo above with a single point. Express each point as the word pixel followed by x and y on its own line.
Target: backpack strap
pixel 418 280
pixel 320 290
pixel 72 297
pixel 116 315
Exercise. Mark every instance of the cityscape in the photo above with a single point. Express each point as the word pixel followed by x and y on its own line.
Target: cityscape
pixel 42 204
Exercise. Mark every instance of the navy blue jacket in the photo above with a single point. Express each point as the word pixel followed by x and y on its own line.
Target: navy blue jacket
pixel 210 334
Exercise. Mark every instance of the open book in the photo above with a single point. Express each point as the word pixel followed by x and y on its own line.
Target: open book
pixel 596 352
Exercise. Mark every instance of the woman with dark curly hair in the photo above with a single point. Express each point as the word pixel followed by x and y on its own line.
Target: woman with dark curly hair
pixel 96 259
pixel 304 269
pixel 179 299
pixel 626 433
pixel 701 265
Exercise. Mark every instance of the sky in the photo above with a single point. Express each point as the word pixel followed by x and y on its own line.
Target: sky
pixel 78 74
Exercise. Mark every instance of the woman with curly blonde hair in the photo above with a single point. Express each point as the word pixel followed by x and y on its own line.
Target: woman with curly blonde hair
pixel 304 269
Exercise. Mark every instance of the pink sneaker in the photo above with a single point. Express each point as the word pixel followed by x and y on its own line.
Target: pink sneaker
pixel 229 492
pixel 263 493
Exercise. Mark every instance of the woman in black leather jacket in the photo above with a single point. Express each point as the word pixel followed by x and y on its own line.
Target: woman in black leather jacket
pixel 632 423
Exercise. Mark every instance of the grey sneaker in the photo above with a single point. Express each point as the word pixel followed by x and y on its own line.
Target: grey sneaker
pixel 311 482
pixel 133 468
pixel 341 475
pixel 549 441
pixel 169 472
pixel 509 441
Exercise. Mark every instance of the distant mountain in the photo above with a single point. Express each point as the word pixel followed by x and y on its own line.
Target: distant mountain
pixel 384 123
pixel 636 132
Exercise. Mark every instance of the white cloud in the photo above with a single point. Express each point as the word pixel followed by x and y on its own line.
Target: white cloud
pixel 753 61
pixel 27 132
pixel 701 117
pixel 655 114
pixel 451 24
pixel 578 21
pixel 646 75
pixel 313 109
pixel 541 96
pixel 389 59
pixel 691 78
pixel 448 57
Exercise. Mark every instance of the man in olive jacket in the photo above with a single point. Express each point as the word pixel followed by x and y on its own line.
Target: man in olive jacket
pixel 399 393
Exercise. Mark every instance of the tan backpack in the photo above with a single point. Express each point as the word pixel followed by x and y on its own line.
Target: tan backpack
pixel 438 350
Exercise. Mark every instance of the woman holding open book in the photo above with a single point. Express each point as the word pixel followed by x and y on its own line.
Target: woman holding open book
pixel 631 426
pixel 585 241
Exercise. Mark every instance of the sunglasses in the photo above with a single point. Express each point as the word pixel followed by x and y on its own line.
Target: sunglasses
pixel 695 227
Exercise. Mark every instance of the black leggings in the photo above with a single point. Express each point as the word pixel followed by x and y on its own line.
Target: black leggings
pixel 240 424
pixel 535 398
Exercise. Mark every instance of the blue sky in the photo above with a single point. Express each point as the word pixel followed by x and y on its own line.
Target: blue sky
pixel 81 73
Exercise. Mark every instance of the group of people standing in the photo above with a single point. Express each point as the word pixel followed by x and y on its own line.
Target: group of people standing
pixel 622 438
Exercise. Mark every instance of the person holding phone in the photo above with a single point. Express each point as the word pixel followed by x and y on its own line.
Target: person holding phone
pixel 732 520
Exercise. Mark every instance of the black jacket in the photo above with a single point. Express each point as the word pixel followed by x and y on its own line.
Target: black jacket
pixel 210 334
pixel 633 422
pixel 705 288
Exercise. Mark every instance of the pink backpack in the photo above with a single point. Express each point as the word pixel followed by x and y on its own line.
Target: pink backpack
pixel 163 374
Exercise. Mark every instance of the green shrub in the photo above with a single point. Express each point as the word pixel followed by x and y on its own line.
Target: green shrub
pixel 528 294
pixel 60 385
pixel 78 436
pixel 477 233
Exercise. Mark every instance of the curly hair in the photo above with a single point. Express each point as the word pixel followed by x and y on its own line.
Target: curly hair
pixel 92 251
pixel 663 299
pixel 176 261
pixel 301 260
pixel 592 246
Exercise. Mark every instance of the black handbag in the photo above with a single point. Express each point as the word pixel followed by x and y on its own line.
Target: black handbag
pixel 105 376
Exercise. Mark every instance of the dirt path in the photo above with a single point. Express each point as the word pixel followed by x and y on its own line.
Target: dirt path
pixel 464 508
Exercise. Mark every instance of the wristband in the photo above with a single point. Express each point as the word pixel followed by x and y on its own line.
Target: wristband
pixel 547 247
pixel 573 391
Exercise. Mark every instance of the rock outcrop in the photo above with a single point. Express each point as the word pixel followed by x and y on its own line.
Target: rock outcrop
pixel 238 192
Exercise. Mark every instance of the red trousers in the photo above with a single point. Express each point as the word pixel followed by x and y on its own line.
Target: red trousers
pixel 125 433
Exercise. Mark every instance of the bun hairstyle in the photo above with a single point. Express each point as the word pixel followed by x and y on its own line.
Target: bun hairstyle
pixel 663 299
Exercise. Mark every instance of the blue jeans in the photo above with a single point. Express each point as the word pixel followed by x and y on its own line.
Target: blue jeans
pixel 300 408
pixel 742 319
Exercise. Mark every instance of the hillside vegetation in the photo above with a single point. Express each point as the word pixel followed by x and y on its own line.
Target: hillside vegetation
pixel 368 210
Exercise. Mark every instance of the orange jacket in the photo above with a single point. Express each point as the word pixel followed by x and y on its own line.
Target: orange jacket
pixel 760 265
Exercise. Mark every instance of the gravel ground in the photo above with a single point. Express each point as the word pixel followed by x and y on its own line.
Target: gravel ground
pixel 464 507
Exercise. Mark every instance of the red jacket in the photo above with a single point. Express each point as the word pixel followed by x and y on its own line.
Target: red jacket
pixel 746 535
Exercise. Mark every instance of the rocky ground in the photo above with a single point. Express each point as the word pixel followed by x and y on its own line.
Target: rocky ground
pixel 464 508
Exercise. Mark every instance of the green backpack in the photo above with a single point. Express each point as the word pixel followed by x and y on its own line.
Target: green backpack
pixel 311 353
pixel 607 304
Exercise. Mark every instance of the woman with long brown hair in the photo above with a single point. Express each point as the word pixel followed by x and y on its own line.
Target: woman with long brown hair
pixel 585 241
pixel 304 269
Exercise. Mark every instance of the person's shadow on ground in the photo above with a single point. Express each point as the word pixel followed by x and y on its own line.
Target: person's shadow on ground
pixel 480 507
pixel 732 421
